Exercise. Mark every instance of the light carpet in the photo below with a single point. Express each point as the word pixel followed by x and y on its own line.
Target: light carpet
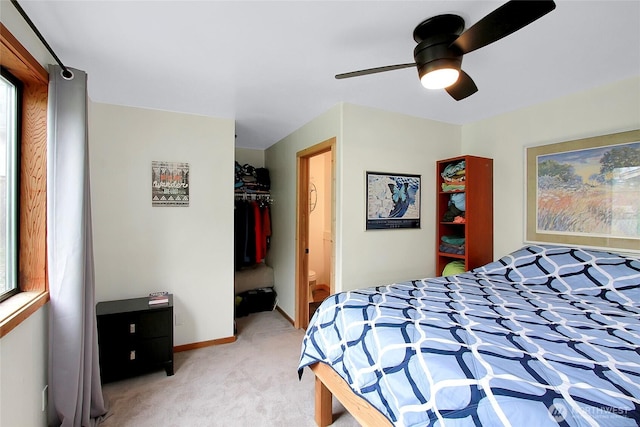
pixel 251 382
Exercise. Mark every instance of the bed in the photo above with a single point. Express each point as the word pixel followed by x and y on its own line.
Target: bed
pixel 545 336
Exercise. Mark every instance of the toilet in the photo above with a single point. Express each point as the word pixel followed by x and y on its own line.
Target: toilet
pixel 312 283
pixel 312 277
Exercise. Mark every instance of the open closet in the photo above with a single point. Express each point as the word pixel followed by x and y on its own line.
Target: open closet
pixel 253 279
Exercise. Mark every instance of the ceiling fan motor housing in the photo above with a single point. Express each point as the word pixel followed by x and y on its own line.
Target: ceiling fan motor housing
pixel 435 54
pixel 435 49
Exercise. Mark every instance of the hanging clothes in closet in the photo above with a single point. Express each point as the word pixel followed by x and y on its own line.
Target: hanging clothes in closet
pixel 252 232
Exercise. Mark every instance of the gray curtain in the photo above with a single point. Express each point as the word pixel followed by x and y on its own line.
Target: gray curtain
pixel 75 392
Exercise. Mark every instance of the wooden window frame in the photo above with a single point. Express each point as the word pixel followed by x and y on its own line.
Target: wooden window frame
pixel 32 248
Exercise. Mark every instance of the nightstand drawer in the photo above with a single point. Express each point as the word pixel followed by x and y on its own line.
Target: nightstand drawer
pixel 155 350
pixel 116 327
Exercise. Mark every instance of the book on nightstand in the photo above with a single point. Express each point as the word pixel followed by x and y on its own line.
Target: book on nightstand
pixel 158 298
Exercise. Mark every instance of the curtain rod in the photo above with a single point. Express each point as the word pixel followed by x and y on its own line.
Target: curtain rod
pixel 66 73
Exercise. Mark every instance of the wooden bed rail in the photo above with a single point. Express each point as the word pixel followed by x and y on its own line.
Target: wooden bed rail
pixel 329 383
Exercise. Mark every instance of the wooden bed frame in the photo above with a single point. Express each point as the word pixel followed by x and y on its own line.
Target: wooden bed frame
pixel 328 384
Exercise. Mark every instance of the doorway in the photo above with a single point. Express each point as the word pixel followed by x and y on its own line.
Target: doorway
pixel 315 228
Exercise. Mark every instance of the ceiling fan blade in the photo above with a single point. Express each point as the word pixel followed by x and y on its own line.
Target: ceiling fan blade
pixel 463 88
pixel 505 20
pixel 374 70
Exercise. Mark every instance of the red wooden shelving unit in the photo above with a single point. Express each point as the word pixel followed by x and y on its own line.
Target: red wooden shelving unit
pixel 478 226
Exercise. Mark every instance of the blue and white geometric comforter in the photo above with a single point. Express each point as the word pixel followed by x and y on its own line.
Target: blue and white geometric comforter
pixel 545 336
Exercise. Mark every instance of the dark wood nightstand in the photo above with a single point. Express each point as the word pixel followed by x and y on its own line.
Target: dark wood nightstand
pixel 134 337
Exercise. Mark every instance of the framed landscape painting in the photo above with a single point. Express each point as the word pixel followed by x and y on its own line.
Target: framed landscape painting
pixel 585 192
pixel 393 201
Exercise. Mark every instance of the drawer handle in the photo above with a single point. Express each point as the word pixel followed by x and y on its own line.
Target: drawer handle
pixel 132 328
pixel 132 355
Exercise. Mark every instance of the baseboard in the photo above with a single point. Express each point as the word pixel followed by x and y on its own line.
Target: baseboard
pixel 202 344
pixel 281 311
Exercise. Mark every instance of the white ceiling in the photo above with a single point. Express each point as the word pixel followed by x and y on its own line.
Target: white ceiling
pixel 270 65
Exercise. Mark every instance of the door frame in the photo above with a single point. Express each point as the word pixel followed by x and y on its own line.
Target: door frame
pixel 302 226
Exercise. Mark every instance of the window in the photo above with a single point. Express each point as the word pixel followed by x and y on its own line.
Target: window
pixel 30 174
pixel 9 170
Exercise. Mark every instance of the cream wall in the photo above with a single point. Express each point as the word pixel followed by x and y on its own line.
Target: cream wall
pixel 23 351
pixel 376 140
pixel 367 139
pixel 607 109
pixel 380 141
pixel 23 371
pixel 280 159
pixel 185 250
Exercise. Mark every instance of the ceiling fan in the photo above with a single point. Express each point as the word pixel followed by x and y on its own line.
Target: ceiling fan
pixel 442 43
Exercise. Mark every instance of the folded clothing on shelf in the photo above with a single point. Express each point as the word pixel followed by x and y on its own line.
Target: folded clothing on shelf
pixel 452 245
pixel 454 172
pixel 451 249
pixel 453 240
pixel 456 208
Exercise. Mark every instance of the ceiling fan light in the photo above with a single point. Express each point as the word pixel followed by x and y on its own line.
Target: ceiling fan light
pixel 441 72
pixel 440 78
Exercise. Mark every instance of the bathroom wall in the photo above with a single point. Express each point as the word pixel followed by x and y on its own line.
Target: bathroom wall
pixel 320 217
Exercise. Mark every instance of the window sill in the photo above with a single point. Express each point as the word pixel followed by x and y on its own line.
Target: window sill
pixel 18 308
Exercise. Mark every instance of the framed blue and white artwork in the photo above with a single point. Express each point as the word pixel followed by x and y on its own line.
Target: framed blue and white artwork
pixel 393 201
